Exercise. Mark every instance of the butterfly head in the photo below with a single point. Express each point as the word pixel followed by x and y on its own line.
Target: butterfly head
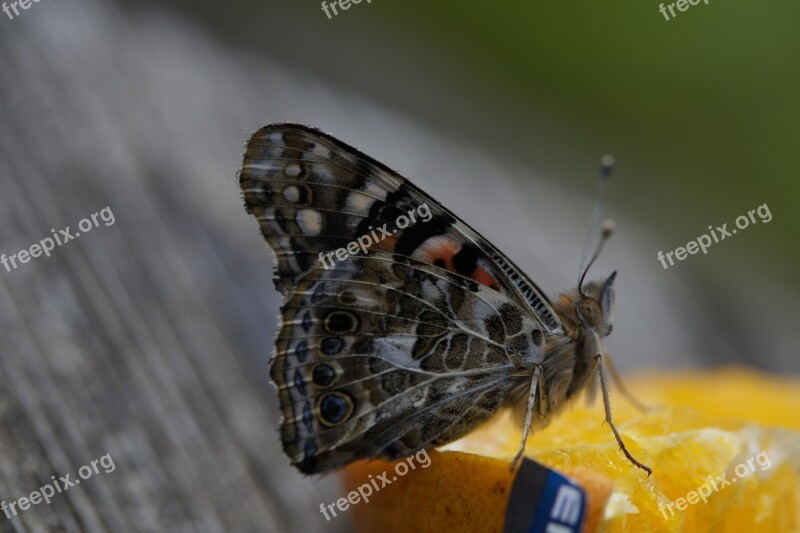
pixel 594 308
pixel 588 311
pixel 594 302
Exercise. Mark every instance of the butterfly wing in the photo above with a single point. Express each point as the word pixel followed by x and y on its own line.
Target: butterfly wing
pixel 411 344
pixel 314 194
pixel 384 355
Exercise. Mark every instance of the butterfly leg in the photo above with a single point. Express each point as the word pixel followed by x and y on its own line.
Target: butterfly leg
pixel 607 405
pixel 537 370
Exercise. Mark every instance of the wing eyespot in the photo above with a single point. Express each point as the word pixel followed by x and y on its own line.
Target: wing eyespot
pixel 341 323
pixel 331 345
pixel 323 375
pixel 335 408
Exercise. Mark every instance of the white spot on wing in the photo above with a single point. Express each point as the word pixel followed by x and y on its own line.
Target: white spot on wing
pixel 428 250
pixel 293 170
pixel 320 151
pixel 359 203
pixel 309 220
pixel 267 166
pixel 291 193
pixel 373 189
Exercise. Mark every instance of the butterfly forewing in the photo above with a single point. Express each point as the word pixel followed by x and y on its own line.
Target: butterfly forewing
pixel 312 193
pixel 411 344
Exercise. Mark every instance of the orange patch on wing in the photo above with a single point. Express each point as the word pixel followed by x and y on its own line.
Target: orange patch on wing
pixel 386 244
pixel 444 249
pixel 484 278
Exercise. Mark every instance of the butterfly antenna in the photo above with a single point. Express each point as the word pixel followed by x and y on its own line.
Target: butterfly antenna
pixel 605 234
pixel 607 165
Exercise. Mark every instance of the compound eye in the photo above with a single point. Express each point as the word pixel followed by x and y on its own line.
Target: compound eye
pixel 590 311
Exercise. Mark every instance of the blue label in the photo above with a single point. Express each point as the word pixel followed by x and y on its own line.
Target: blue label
pixel 561 508
pixel 544 501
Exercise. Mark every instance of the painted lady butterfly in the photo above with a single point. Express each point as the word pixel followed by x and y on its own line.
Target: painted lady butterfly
pixel 421 339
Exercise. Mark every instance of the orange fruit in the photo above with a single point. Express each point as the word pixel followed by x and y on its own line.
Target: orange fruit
pixel 724 447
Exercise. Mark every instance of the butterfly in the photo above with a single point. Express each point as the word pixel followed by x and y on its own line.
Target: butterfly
pixel 417 335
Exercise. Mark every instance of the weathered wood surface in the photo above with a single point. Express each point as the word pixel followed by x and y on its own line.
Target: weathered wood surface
pixel 149 339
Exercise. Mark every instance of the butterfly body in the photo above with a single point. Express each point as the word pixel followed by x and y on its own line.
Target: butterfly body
pixel 402 328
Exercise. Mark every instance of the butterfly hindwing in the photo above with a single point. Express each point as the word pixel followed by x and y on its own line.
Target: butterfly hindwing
pixel 384 355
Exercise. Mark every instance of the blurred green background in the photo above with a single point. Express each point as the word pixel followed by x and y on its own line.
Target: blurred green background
pixel 701 111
